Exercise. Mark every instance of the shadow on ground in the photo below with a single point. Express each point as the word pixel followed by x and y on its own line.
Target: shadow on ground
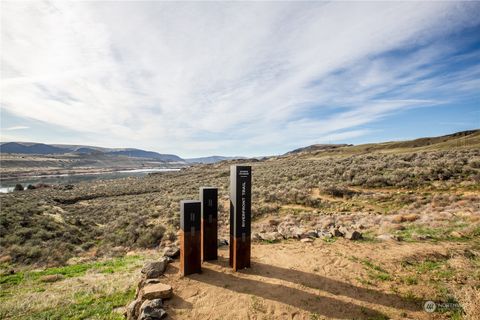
pixel 310 302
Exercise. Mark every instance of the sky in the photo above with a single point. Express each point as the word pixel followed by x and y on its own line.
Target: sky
pixel 237 78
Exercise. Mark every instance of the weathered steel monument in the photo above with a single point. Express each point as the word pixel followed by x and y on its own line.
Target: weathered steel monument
pixel 190 237
pixel 209 229
pixel 240 216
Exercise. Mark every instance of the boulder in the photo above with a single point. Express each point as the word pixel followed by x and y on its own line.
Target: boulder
pixel 322 234
pixel 155 269
pixel 343 230
pixel 306 240
pixel 142 283
pixel 353 235
pixel 310 234
pixel 133 309
pixel 171 252
pixel 152 310
pixel 335 232
pixel 156 291
pixel 270 236
pixel 297 232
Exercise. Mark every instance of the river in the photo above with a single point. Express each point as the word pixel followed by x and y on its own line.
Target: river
pixel 8 185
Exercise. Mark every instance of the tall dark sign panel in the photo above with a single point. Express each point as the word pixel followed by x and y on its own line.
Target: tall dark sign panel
pixel 209 200
pixel 240 216
pixel 190 237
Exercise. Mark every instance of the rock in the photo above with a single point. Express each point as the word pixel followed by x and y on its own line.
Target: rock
pixel 133 309
pixel 152 310
pixel 327 223
pixel 456 234
pixel 144 282
pixel 289 231
pixel 310 234
pixel 156 291
pixel 171 252
pixel 51 278
pixel 335 232
pixel 353 235
pixel 324 234
pixel 306 240
pixel 155 269
pixel 416 236
pixel 297 232
pixel 388 237
pixel 343 230
pixel 222 242
pixel 18 187
pixel 270 236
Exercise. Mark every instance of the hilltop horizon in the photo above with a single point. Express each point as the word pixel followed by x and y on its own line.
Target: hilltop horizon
pixel 74 147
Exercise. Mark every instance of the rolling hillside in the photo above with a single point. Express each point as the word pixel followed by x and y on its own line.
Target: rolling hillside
pixel 40 148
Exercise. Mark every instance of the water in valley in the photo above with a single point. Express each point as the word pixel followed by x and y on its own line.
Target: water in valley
pixel 8 185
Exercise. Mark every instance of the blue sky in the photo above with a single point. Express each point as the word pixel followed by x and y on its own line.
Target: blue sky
pixel 249 79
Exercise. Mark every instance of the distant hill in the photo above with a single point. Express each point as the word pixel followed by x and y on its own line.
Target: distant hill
pixel 470 138
pixel 212 159
pixel 43 149
pixel 318 147
pixel 37 148
pixel 137 153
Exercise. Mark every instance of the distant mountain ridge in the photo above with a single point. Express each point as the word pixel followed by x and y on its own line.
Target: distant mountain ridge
pixel 41 148
pixel 211 159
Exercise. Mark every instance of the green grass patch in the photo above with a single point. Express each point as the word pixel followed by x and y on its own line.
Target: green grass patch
pixel 88 306
pixel 376 272
pixel 269 241
pixel 428 266
pixel 109 266
pixel 372 266
pixel 412 232
pixel 329 240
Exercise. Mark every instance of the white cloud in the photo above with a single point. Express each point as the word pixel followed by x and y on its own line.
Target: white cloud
pixel 15 128
pixel 195 78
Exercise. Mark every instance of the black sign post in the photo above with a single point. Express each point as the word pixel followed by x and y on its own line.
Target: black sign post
pixel 209 200
pixel 190 237
pixel 240 216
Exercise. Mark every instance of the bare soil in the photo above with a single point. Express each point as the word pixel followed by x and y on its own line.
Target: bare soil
pixel 295 280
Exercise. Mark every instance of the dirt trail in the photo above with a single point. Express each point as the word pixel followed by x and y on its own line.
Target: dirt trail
pixel 294 280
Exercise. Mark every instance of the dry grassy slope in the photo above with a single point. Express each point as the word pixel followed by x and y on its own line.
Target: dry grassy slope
pixel 466 139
